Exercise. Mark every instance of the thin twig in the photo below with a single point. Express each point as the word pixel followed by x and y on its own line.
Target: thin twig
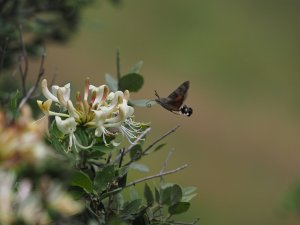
pixel 183 223
pixel 152 144
pixel 24 56
pixel 34 88
pixel 159 139
pixel 122 156
pixel 133 144
pixel 167 159
pixel 156 176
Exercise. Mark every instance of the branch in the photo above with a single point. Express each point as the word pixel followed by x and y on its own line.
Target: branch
pixel 24 56
pixel 132 145
pixel 159 139
pixel 152 144
pixel 34 88
pixel 156 176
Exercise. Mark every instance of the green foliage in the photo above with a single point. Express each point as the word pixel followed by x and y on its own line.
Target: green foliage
pixel 96 172
pixel 131 82
pixel 82 180
pixel 148 195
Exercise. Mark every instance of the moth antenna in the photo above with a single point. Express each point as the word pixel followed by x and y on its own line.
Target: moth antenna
pixel 156 94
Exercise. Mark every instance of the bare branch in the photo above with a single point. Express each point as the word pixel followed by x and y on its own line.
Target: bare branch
pixel 23 73
pixel 153 143
pixel 33 89
pixel 159 139
pixel 118 157
pixel 156 176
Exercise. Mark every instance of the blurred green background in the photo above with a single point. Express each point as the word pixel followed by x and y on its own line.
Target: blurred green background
pixel 242 59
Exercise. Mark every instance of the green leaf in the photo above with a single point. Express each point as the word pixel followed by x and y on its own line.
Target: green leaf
pixel 114 221
pixel 82 137
pixel 148 195
pixel 171 194
pixel 103 177
pixel 14 103
pixel 76 192
pixel 188 194
pixel 176 194
pixel 111 82
pixel 133 194
pixel 136 152
pixel 179 207
pixel 101 148
pixel 188 198
pixel 159 147
pixel 188 190
pixel 82 180
pixel 166 195
pixel 157 195
pixel 56 144
pixel 140 102
pixel 131 82
pixel 94 154
pixel 139 167
pixel 132 207
pixel 118 201
pixel 136 67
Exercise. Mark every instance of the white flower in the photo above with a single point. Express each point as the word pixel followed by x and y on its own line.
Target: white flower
pixel 59 94
pixel 99 94
pixel 45 108
pixel 68 127
pixel 108 113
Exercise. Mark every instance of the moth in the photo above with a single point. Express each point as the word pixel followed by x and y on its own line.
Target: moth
pixel 174 102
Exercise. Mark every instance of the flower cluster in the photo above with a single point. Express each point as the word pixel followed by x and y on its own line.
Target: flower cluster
pixel 20 202
pixel 22 199
pixel 21 142
pixel 105 113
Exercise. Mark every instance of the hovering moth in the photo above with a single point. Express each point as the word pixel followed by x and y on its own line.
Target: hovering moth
pixel 174 102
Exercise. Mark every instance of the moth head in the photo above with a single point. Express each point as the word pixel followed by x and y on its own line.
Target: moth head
pixel 185 110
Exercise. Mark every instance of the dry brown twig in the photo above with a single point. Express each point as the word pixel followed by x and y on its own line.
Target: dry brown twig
pixel 26 95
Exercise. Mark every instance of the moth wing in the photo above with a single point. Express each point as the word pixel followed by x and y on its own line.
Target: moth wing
pixel 177 97
pixel 167 103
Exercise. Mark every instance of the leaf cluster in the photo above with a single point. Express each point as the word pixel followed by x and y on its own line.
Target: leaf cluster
pixel 99 175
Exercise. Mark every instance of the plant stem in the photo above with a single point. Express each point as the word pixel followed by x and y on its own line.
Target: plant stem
pixel 156 176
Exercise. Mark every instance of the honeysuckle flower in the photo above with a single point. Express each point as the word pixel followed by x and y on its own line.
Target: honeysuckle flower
pixel 59 94
pixel 21 142
pixel 68 127
pixel 100 93
pixel 105 113
pixel 20 201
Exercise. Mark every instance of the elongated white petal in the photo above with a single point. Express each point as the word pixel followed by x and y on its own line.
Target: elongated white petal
pixel 46 91
pixel 67 126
